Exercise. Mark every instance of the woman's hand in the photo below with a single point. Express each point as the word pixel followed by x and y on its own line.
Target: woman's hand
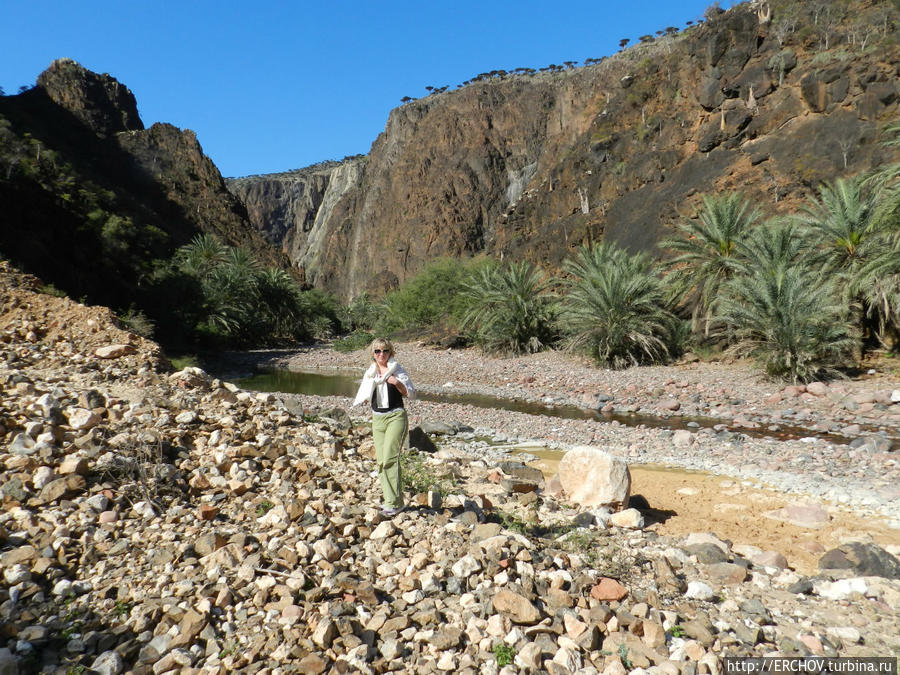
pixel 397 383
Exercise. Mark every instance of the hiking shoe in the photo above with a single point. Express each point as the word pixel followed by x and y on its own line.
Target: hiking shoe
pixel 390 512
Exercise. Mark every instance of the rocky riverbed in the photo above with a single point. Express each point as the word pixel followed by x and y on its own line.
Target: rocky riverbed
pixel 156 521
pixel 862 471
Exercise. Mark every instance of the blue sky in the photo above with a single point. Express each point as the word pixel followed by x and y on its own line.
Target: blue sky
pixel 271 86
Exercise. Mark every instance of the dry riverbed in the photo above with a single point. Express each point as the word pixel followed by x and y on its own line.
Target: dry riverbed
pixel 721 479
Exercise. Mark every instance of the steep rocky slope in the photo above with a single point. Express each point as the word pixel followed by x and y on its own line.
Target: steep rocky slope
pixel 766 98
pixel 90 197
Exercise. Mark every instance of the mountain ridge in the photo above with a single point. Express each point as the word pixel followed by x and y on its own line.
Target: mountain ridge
pixel 94 200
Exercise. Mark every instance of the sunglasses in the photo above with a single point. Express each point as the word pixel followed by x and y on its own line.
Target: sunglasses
pixel 380 351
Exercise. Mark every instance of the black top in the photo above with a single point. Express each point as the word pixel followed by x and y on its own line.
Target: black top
pixel 395 399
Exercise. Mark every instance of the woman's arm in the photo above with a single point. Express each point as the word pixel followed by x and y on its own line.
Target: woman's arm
pixel 404 385
pixel 400 386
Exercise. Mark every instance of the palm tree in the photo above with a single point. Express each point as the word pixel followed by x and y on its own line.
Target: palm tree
pixel 852 219
pixel 878 277
pixel 230 300
pixel 786 311
pixel 279 312
pixel 201 256
pixel 774 244
pixel 707 252
pixel 878 283
pixel 843 218
pixel 508 309
pixel 615 307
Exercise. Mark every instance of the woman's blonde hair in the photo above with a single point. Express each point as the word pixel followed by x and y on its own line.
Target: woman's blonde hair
pixel 382 343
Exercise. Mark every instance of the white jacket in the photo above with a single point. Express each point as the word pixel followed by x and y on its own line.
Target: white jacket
pixel 371 380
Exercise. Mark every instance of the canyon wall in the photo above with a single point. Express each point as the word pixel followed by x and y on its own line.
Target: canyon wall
pixel 532 166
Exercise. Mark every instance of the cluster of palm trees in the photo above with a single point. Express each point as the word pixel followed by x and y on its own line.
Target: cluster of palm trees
pixel 802 295
pixel 220 295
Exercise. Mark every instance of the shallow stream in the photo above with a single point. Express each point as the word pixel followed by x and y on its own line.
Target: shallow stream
pixel 331 383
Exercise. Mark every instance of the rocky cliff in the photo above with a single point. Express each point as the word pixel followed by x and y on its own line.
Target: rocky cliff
pixel 91 198
pixel 769 99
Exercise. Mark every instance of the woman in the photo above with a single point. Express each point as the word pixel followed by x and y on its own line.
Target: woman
pixel 384 385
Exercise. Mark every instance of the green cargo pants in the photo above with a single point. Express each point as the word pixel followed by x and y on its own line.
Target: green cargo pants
pixel 389 431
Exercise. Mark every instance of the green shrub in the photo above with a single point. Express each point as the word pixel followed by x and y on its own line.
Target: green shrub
pixel 185 361
pixel 419 477
pixel 361 314
pixel 227 299
pixel 353 342
pixel 50 289
pixel 429 299
pixel 790 318
pixel 504 654
pixel 137 322
pixel 707 254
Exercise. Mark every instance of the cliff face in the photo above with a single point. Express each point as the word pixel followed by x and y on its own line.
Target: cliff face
pixel 760 99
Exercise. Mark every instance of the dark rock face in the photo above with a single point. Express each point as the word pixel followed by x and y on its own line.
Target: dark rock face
pixel 99 101
pixel 530 167
pixel 76 164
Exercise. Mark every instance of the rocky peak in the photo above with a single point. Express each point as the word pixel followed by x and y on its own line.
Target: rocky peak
pixel 98 100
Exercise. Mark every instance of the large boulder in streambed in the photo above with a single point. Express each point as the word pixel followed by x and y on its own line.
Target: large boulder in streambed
pixel 594 477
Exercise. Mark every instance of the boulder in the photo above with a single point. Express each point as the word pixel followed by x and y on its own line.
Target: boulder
pixel 863 560
pixel 420 440
pixel 593 477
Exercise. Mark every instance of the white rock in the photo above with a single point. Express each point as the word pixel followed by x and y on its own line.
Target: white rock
pixel 22 444
pixel 16 574
pixel 143 509
pixel 98 502
pixel 186 417
pixel 697 590
pixel 568 659
pixel 429 582
pixel 42 476
pixel 529 657
pixel 841 589
pixel 413 597
pixel 847 634
pixel 629 518
pixel 447 662
pixel 593 477
pixel 63 588
pixel 384 530
pixel 466 566
pixel 82 418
